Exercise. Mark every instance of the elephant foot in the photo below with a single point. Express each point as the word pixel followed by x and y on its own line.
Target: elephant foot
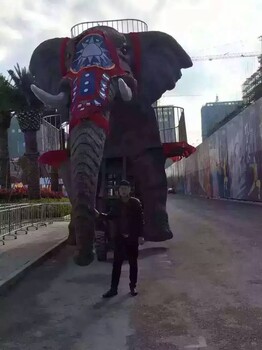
pixel 83 258
pixel 71 240
pixel 158 230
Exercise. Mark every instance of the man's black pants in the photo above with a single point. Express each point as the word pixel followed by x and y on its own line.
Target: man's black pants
pixel 122 251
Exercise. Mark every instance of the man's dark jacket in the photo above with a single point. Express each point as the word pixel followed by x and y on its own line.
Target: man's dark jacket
pixel 133 219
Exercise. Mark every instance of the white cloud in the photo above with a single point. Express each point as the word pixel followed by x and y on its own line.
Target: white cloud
pixel 202 27
pixel 3 53
pixel 9 33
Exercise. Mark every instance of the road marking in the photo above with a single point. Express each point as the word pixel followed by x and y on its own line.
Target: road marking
pixel 201 344
pixel 169 340
pixel 165 261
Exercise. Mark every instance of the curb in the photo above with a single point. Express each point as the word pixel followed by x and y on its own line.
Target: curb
pixel 239 201
pixel 19 274
pixel 232 200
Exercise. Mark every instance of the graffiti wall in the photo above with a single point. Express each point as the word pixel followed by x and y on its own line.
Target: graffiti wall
pixel 226 165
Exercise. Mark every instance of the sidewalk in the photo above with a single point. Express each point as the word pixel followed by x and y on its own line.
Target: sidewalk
pixel 18 255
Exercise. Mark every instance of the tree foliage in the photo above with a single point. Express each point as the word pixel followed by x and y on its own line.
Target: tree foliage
pixel 22 80
pixel 8 95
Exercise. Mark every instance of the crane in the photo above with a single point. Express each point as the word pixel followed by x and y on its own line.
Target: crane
pixel 226 55
pixel 219 57
pixel 231 55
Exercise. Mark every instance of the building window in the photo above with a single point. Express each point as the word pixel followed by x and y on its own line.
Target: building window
pixel 24 144
pixel 19 130
pixel 13 131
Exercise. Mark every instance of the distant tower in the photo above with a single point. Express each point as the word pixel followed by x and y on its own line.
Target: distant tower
pixel 217 99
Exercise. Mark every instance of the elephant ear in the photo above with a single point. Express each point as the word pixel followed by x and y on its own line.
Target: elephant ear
pixel 159 66
pixel 45 65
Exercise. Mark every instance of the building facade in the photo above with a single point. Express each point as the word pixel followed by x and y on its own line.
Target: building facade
pixel 213 113
pixel 252 87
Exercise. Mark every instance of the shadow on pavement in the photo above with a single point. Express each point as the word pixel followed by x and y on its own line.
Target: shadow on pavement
pixel 109 302
pixel 145 253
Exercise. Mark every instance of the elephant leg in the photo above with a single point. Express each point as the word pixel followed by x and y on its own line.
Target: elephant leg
pixel 65 173
pixel 86 144
pixel 71 240
pixel 149 172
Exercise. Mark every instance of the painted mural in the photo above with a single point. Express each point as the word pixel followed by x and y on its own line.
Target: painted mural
pixel 226 165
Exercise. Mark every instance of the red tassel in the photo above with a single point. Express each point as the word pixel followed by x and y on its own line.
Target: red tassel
pixel 177 149
pixel 54 158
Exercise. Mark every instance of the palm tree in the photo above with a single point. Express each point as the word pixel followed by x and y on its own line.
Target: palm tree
pixel 8 102
pixel 29 118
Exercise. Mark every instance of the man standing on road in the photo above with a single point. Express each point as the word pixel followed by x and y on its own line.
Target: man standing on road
pixel 127 215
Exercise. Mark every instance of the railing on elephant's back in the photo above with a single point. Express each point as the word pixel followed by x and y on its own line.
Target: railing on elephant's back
pixel 50 135
pixel 170 119
pixel 121 25
pixel 171 123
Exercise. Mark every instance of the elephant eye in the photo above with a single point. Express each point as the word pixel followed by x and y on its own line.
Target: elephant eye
pixel 124 50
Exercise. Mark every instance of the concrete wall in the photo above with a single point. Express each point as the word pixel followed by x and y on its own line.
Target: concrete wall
pixel 226 165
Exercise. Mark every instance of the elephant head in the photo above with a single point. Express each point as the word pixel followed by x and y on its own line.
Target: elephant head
pixel 83 78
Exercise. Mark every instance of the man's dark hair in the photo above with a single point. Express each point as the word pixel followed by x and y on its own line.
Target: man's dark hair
pixel 124 183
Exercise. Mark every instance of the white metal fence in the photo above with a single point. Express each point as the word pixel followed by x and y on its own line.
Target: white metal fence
pixel 17 218
pixel 49 136
pixel 168 118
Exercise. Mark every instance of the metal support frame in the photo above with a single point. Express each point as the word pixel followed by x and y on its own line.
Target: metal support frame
pixel 121 25
pixel 168 118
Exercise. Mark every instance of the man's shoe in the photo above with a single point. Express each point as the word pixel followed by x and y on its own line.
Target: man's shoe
pixel 111 293
pixel 133 292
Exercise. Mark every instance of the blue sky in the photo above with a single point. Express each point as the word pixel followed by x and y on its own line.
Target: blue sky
pixel 202 27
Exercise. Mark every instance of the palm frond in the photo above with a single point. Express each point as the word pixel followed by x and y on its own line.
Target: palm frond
pixel 13 77
pixel 22 80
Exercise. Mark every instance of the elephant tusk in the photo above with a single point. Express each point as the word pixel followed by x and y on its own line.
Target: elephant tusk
pixel 125 90
pixel 49 99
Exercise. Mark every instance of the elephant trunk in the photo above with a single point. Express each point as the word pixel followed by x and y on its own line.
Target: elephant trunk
pixel 86 148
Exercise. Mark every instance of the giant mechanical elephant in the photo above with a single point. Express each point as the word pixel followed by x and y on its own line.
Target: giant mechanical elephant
pixel 105 82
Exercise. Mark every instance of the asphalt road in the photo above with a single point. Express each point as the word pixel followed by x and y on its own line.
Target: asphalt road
pixel 202 290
